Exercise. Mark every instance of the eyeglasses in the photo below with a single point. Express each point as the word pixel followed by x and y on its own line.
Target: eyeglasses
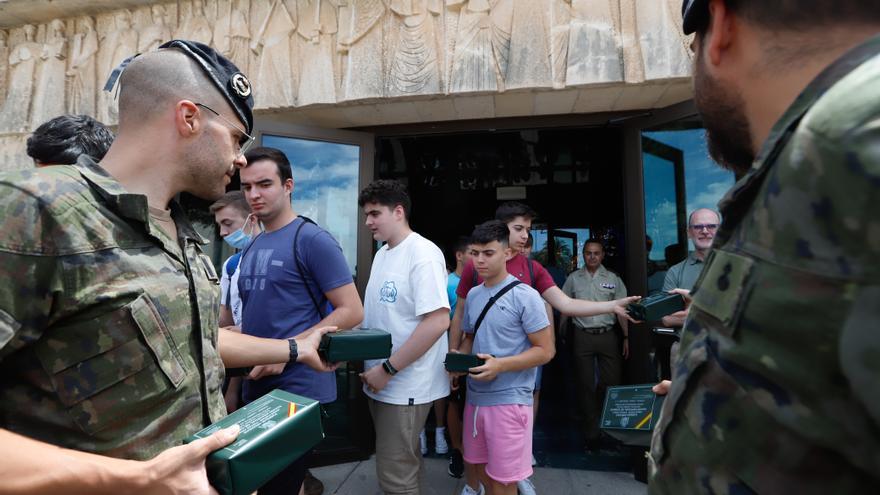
pixel 711 227
pixel 246 140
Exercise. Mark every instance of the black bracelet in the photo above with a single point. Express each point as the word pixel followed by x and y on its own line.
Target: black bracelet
pixel 294 352
pixel 387 366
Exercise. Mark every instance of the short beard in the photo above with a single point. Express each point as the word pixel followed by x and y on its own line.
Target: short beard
pixel 728 135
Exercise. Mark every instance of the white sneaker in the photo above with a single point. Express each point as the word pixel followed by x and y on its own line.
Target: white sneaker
pixel 467 490
pixel 440 445
pixel 526 487
pixel 423 443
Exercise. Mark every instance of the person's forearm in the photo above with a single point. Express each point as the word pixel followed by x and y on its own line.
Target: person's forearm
pixel 238 350
pixel 348 310
pixel 33 467
pixel 467 344
pixel 455 334
pixel 576 307
pixel 624 325
pixel 530 358
pixel 426 333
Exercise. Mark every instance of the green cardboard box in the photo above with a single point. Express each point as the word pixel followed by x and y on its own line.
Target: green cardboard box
pixel 654 308
pixel 630 413
pixel 356 344
pixel 461 363
pixel 276 430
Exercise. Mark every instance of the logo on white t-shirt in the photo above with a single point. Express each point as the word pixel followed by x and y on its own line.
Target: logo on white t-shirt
pixel 388 292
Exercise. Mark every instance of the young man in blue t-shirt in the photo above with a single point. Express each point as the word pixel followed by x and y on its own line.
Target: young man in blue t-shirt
pixel 506 324
pixel 288 274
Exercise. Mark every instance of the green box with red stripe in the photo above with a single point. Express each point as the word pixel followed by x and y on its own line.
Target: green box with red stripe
pixel 276 430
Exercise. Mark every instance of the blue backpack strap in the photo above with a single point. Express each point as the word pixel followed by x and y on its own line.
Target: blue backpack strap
pixel 232 263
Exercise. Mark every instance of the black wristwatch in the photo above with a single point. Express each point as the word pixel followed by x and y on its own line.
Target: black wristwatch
pixel 294 352
pixel 386 365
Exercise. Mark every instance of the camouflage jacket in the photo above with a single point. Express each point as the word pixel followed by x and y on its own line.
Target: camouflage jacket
pixel 108 330
pixel 777 385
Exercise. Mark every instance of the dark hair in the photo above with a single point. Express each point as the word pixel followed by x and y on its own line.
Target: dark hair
pixel 62 140
pixel 493 230
pixel 274 155
pixel 234 199
pixel 512 209
pixel 530 240
pixel 461 244
pixel 593 240
pixel 388 193
pixel 799 15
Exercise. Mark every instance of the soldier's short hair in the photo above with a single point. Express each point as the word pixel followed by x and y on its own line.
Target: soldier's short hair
pixel 60 141
pixel 234 199
pixel 792 15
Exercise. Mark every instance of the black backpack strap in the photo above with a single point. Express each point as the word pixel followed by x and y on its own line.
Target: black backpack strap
pixel 492 301
pixel 301 267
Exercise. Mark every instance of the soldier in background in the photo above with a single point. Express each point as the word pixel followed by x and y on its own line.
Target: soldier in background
pixel 776 386
pixel 110 351
pixel 61 140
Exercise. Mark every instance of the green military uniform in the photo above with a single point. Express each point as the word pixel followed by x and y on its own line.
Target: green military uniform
pixel 594 339
pixel 108 328
pixel 776 387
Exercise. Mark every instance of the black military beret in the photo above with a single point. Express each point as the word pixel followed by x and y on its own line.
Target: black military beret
pixel 694 14
pixel 233 85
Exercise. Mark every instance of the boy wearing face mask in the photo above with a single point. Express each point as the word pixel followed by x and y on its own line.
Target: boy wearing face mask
pixel 233 217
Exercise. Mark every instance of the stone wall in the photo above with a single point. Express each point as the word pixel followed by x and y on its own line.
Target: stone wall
pixel 312 53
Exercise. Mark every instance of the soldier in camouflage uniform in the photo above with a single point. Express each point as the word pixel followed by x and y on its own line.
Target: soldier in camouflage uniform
pixel 108 323
pixel 776 386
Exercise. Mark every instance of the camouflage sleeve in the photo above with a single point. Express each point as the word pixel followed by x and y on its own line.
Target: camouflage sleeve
pixel 860 349
pixel 27 267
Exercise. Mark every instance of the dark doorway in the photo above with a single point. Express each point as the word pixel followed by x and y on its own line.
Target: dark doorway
pixel 573 178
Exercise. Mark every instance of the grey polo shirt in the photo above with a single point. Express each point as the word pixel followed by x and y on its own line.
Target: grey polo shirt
pixel 604 285
pixel 683 275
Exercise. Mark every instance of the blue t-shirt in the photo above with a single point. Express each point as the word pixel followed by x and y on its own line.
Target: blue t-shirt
pixel 276 303
pixel 504 332
pixel 452 284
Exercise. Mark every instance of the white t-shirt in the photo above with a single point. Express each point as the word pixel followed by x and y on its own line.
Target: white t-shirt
pixel 406 283
pixel 229 289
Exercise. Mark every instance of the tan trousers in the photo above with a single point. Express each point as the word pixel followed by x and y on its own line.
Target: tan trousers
pixel 398 459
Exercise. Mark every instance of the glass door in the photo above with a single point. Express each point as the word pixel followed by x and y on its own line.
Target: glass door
pixel 665 214
pixel 329 169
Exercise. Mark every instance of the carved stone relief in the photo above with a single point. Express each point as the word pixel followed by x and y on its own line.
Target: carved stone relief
pixel 49 88
pixel 307 52
pixel 81 73
pixel 23 58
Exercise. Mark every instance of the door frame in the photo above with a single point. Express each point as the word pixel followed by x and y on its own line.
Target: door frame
pixel 366 142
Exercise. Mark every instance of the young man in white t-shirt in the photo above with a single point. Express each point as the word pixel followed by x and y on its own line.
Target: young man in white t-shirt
pixel 406 296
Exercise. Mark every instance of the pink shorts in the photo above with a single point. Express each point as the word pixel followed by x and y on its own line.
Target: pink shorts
pixel 501 438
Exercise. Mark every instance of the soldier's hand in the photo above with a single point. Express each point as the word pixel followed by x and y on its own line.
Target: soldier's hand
pixel 662 388
pixel 266 370
pixel 182 469
pixel 307 349
pixel 620 307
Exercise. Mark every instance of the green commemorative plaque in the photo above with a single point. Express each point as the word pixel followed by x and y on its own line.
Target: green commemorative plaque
pixel 276 430
pixel 654 308
pixel 630 413
pixel 462 363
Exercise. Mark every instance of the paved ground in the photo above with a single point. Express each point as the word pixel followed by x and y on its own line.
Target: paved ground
pixel 359 478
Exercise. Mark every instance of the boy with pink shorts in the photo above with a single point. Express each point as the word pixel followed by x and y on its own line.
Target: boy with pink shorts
pixel 505 323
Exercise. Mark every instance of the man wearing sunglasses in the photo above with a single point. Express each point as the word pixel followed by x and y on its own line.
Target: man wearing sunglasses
pixel 110 350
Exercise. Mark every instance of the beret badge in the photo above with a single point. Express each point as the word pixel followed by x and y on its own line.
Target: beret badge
pixel 241 85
